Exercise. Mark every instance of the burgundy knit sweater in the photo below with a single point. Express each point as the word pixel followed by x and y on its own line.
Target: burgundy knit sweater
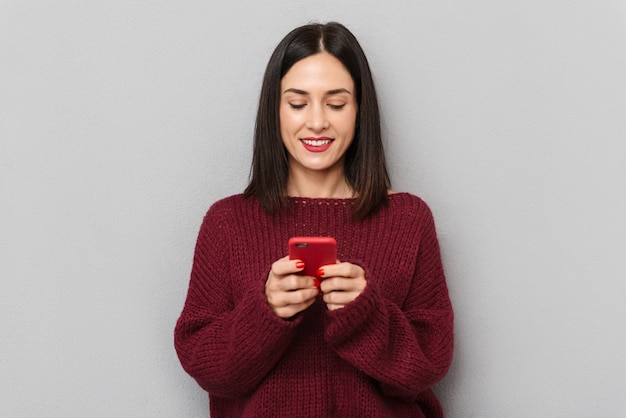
pixel 376 357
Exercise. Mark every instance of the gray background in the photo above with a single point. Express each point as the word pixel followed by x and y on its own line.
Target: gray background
pixel 122 121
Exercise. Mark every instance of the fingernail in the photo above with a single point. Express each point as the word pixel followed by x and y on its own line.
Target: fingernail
pixel 316 283
pixel 320 272
pixel 300 264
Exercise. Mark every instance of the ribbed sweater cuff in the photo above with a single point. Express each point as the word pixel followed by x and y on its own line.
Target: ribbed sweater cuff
pixel 261 320
pixel 365 311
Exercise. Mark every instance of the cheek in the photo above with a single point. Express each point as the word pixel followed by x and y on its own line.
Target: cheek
pixel 284 125
pixel 288 121
pixel 347 125
pixel 282 118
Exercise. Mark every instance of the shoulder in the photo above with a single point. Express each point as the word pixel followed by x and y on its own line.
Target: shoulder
pixel 403 201
pixel 224 210
pixel 412 219
pixel 226 203
pixel 410 211
pixel 234 203
pixel 225 215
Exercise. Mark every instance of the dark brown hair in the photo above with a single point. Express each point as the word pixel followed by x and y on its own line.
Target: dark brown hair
pixel 365 168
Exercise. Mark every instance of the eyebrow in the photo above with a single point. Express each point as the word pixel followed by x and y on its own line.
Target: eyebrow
pixel 328 93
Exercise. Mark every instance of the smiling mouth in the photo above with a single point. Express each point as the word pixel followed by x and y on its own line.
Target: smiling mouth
pixel 316 142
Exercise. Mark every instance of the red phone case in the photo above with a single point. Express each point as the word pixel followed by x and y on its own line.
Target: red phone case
pixel 314 251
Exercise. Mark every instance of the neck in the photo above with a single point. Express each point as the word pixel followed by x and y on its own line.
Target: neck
pixel 318 185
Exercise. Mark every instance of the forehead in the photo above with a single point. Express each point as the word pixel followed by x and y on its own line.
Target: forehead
pixel 319 71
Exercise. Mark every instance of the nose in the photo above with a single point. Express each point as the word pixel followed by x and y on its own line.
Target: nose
pixel 317 120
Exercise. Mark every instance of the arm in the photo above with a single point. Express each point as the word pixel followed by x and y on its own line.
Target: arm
pixel 406 349
pixel 227 347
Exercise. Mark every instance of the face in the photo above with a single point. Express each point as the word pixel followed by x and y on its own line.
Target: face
pixel 318 112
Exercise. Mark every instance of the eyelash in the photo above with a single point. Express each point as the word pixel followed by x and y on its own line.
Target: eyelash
pixel 301 106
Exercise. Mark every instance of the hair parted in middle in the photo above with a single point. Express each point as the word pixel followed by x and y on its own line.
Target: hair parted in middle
pixel 364 167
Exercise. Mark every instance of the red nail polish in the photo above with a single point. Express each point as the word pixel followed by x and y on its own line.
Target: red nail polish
pixel 319 272
pixel 300 264
pixel 316 283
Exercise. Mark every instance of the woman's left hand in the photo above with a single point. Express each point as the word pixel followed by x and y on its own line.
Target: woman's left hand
pixel 341 284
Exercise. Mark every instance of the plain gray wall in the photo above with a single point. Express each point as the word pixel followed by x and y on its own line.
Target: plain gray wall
pixel 122 121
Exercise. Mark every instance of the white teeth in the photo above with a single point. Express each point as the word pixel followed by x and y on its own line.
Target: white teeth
pixel 316 142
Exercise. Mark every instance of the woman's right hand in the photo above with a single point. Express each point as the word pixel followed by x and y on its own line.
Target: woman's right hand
pixel 288 293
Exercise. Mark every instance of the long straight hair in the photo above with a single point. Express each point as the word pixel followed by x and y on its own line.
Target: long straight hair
pixel 364 164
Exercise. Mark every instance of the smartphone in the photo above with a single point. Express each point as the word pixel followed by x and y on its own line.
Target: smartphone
pixel 314 251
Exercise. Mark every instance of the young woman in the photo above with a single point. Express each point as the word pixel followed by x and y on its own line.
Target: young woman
pixel 374 333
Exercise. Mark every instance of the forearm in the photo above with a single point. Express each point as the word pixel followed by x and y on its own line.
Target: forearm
pixel 230 352
pixel 406 352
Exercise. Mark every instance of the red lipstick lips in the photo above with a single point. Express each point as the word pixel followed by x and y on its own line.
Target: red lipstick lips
pixel 316 144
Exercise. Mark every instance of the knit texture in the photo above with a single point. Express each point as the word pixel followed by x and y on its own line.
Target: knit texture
pixel 376 357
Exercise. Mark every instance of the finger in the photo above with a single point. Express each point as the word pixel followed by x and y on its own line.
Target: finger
pixel 343 284
pixel 344 269
pixel 284 266
pixel 293 297
pixel 288 311
pixel 340 298
pixel 301 296
pixel 287 304
pixel 291 283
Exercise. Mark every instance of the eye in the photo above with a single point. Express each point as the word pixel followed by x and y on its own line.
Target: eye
pixel 297 106
pixel 336 106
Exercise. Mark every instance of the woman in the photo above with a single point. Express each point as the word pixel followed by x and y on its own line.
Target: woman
pixel 370 338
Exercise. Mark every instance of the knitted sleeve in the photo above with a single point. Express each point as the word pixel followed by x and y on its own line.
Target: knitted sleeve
pixel 405 348
pixel 228 348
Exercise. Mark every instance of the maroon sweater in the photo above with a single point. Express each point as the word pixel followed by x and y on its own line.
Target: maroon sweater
pixel 376 357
